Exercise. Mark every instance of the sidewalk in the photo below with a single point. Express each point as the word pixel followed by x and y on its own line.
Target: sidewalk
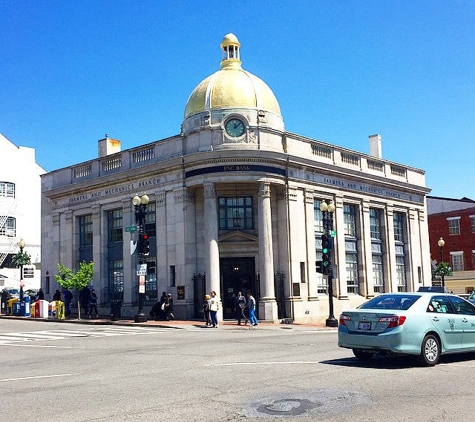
pixel 175 324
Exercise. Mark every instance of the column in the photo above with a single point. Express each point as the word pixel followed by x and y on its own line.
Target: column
pixel 211 240
pixel 366 265
pixel 162 240
pixel 267 303
pixel 391 254
pixel 98 250
pixel 311 245
pixel 339 251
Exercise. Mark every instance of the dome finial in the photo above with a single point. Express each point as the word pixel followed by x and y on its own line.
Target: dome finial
pixel 231 55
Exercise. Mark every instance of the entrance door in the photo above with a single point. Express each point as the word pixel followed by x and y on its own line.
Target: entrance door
pixel 237 275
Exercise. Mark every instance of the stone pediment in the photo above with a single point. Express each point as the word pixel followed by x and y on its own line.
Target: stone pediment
pixel 237 237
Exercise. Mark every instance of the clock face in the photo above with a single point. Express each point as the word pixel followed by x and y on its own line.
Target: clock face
pixel 234 127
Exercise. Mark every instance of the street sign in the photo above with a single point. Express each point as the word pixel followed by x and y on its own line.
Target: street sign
pixel 142 269
pixel 142 284
pixel 131 229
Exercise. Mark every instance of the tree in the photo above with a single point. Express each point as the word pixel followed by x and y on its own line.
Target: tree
pixel 70 280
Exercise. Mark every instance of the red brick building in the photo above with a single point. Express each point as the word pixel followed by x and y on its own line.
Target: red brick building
pixel 453 220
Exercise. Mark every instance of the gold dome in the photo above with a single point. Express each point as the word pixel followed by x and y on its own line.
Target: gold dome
pixel 231 86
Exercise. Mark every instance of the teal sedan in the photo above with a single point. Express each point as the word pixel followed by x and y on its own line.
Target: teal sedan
pixel 424 324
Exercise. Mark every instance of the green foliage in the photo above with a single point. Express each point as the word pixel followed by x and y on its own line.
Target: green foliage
pixel 64 278
pixel 443 269
pixel 70 280
pixel 21 258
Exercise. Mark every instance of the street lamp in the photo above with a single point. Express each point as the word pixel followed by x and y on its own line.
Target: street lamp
pixel 441 243
pixel 327 209
pixel 21 245
pixel 140 205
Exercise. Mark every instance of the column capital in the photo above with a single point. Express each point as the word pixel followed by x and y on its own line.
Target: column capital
pixel 264 189
pixel 209 190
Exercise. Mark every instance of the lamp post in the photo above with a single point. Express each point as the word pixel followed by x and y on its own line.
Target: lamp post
pixel 441 243
pixel 327 209
pixel 21 245
pixel 140 205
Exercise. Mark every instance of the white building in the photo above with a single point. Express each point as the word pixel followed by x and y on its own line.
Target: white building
pixel 235 206
pixel 20 210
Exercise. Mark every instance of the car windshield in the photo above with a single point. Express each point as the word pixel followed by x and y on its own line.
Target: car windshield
pixel 389 301
pixel 472 295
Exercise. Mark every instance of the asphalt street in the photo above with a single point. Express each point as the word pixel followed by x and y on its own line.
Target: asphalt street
pixel 53 371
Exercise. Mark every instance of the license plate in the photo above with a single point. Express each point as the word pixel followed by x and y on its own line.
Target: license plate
pixel 364 326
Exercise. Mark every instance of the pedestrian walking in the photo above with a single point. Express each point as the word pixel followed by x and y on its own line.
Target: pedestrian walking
pixel 163 303
pixel 240 307
pixel 206 310
pixel 214 308
pixel 251 306
pixel 169 307
pixel 93 304
pixel 84 298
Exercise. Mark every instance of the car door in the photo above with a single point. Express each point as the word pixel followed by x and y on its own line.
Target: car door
pixel 466 311
pixel 446 321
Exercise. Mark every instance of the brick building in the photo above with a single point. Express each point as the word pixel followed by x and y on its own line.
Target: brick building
pixel 453 220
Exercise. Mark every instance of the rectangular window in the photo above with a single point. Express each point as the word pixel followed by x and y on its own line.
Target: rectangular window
pixel 7 190
pixel 398 221
pixel 303 278
pixel 235 213
pixel 115 232
pixel 454 225
pixel 172 276
pixel 317 217
pixel 378 279
pixel 472 223
pixel 352 273
pixel 375 223
pixel 349 215
pixel 457 261
pixel 116 280
pixel 85 230
pixel 150 226
pixel 401 274
pixel 9 228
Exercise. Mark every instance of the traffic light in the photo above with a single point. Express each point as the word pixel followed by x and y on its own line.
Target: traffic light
pixel 326 248
pixel 145 244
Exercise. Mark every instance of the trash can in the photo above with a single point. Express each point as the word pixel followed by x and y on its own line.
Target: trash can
pixel 115 310
pixel 25 306
pixel 16 308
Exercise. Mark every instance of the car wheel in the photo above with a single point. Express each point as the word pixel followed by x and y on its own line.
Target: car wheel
pixel 363 354
pixel 430 350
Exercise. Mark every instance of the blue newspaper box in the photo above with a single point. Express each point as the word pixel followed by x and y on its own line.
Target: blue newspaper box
pixel 26 306
pixel 16 309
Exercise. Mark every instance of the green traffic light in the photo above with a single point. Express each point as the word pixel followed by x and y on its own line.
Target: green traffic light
pixel 325 250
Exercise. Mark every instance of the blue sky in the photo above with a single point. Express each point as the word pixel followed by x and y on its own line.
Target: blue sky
pixel 72 71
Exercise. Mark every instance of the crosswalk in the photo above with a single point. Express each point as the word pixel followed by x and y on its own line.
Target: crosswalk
pixel 48 335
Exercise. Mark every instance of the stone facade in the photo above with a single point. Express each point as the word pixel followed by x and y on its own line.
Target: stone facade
pixel 237 208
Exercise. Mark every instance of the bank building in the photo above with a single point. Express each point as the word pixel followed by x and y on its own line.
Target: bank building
pixel 234 203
